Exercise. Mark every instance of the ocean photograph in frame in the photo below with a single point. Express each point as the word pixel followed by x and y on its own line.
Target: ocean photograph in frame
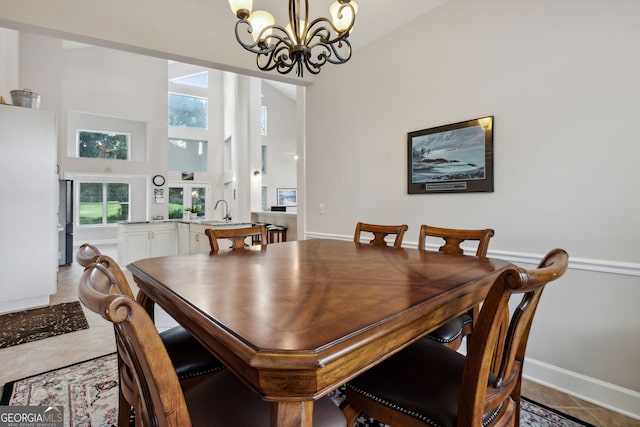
pixel 454 158
pixel 287 196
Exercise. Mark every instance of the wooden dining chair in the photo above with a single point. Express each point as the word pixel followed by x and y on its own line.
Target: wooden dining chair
pixel 380 232
pixel 428 384
pixel 452 333
pixel 152 386
pixel 238 236
pixel 87 254
pixel 191 361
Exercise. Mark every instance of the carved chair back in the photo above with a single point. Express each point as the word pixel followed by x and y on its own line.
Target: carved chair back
pixel 454 237
pixel 152 388
pixel 492 372
pixel 380 232
pixel 238 236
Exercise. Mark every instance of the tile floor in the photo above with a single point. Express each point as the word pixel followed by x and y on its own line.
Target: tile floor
pixel 32 358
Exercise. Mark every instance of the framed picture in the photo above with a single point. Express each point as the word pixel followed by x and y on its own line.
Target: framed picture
pixel 455 158
pixel 287 197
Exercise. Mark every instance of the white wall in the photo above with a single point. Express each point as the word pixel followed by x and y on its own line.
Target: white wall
pixel 281 143
pixel 561 80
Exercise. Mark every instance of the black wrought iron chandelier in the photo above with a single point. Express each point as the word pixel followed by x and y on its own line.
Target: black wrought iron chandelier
pixel 301 44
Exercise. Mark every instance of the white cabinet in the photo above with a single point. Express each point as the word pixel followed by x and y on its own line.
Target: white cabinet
pixel 146 240
pixel 198 240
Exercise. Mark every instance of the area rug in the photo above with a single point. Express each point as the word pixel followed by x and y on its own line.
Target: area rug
pixel 39 323
pixel 88 391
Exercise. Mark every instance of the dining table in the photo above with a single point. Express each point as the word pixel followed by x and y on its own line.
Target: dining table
pixel 295 320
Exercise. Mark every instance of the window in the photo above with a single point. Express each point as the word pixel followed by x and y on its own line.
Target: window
pixel 119 138
pixel 188 111
pixel 183 196
pixel 103 203
pixel 107 145
pixel 197 79
pixel 187 155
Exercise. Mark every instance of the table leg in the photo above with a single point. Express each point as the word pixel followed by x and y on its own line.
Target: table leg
pixel 292 414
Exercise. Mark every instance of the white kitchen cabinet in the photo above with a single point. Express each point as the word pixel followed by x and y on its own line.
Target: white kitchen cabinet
pixel 146 240
pixel 198 240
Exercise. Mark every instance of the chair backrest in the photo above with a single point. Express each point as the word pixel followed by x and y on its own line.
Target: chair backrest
pixel 238 236
pixel 121 284
pixel 454 237
pixel 157 397
pixel 86 254
pixel 493 366
pixel 380 232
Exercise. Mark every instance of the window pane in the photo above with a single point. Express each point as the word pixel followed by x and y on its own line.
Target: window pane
pixel 187 111
pixel 106 145
pixel 186 155
pixel 199 199
pixel 176 203
pixel 90 203
pixel 117 203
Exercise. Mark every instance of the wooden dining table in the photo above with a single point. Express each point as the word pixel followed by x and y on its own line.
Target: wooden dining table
pixel 296 320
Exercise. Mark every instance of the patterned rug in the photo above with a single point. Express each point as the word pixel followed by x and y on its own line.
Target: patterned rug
pixel 40 323
pixel 89 393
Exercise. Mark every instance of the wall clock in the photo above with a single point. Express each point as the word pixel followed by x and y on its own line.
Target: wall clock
pixel 158 180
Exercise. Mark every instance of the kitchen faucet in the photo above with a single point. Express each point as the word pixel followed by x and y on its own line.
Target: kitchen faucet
pixel 226 217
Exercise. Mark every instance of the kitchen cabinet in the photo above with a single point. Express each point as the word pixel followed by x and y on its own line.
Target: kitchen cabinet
pixel 198 240
pixel 146 240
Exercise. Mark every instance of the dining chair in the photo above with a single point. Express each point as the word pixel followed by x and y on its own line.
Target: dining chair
pixel 452 333
pixel 152 386
pixel 86 254
pixel 380 232
pixel 191 361
pixel 238 236
pixel 428 384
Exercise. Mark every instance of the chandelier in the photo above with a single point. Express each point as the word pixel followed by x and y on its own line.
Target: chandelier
pixel 302 44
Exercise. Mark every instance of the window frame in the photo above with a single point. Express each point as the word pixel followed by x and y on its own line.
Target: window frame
pixel 104 181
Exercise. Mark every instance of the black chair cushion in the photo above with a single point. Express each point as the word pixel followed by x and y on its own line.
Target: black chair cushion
pixel 422 381
pixel 188 356
pixel 223 400
pixel 451 330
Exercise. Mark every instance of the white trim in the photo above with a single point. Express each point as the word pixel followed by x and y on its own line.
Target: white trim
pixel 587 264
pixel 600 393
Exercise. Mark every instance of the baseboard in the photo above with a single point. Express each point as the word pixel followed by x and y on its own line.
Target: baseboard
pixel 601 393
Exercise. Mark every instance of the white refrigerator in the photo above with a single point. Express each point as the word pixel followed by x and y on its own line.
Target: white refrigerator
pixel 28 208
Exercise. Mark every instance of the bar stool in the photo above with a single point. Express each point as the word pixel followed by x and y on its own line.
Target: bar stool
pixel 276 233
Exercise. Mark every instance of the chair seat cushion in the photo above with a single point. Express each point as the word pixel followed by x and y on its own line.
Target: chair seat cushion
pixel 223 400
pixel 451 330
pixel 188 356
pixel 422 381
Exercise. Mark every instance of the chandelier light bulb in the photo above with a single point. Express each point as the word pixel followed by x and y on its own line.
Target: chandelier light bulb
pixel 342 16
pixel 260 20
pixel 241 8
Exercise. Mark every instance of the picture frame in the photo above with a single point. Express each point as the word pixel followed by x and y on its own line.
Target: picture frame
pixel 287 196
pixel 454 158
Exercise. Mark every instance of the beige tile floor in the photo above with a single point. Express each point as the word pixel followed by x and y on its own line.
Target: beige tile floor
pixel 51 353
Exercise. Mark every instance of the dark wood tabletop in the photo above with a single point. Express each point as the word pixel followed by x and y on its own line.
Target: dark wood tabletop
pixel 295 320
